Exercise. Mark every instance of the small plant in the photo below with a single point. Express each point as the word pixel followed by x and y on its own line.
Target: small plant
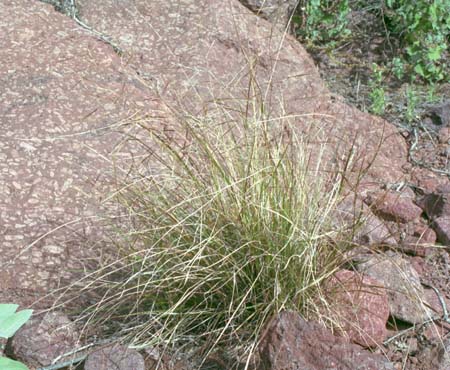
pixel 420 30
pixel 232 223
pixel 431 93
pixel 323 20
pixel 423 28
pixel 10 322
pixel 377 94
pixel 398 67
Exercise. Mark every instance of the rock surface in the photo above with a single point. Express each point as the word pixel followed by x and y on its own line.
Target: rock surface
pixel 67 98
pixel 437 204
pixel 370 230
pixel 442 227
pixel 439 357
pixel 200 53
pixel 291 343
pixel 278 12
pixel 359 305
pixel 42 340
pixel 115 357
pixel 402 282
pixel 437 207
pixel 392 206
pixel 62 105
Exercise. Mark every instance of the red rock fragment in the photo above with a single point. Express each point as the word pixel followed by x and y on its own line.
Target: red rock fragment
pixel 361 307
pixel 394 207
pixel 291 343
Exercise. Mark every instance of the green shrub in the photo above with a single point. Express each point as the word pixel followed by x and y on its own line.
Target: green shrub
pixel 423 27
pixel 10 322
pixel 323 21
pixel 232 223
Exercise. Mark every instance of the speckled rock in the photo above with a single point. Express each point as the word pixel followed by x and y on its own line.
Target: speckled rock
pixel 198 53
pixel 291 343
pixel 64 98
pixel 42 340
pixel 67 100
pixel 359 306
pixel 406 295
pixel 115 357
pixel 424 234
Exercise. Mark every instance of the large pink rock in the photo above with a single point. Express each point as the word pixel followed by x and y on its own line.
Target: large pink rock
pixel 291 343
pixel 207 51
pixel 66 97
pixel 359 305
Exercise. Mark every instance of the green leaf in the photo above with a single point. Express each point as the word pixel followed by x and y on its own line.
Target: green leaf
pixel 7 309
pixel 419 70
pixel 434 54
pixel 8 364
pixel 12 323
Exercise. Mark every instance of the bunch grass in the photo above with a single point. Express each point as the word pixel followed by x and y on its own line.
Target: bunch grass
pixel 230 222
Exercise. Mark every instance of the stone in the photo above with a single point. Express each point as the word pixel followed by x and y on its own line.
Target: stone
pixel 437 116
pixel 292 343
pixel 392 206
pixel 440 356
pixel 278 12
pixel 419 264
pixel 437 208
pixel 115 357
pixel 426 181
pixel 442 227
pixel 218 68
pixel 66 104
pixel 406 295
pixel 2 346
pixel 357 216
pixel 434 302
pixel 359 306
pixel 424 234
pixel 444 135
pixel 436 331
pixel 437 204
pixel 420 243
pixel 49 118
pixel 42 340
pixel 63 6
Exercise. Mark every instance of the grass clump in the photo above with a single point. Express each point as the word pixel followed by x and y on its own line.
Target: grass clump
pixel 232 222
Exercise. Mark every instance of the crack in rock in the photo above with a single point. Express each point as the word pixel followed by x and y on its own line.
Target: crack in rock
pixel 70 8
